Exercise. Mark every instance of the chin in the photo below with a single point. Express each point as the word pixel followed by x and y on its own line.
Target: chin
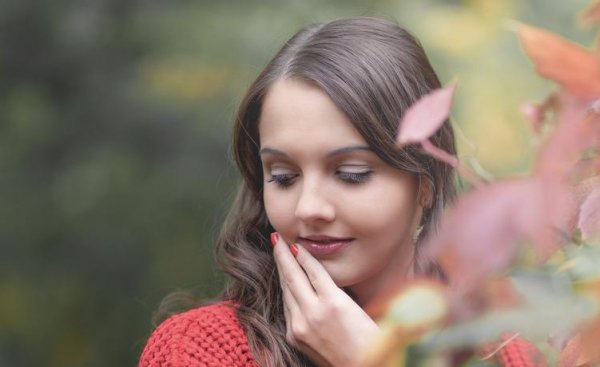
pixel 347 273
pixel 343 279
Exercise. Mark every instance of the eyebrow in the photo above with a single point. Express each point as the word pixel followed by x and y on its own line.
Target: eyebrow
pixel 334 152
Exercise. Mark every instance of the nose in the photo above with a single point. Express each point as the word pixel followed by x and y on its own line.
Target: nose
pixel 314 204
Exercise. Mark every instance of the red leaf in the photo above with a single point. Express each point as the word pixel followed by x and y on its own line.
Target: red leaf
pixel 589 217
pixel 558 59
pixel 426 116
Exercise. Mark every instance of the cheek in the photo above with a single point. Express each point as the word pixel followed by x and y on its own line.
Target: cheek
pixel 279 210
pixel 384 210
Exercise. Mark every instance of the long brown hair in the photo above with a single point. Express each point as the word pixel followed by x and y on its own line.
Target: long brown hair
pixel 372 70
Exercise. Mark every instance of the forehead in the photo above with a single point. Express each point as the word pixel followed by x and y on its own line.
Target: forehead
pixel 297 111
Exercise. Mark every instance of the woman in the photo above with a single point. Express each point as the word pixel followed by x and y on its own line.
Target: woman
pixel 325 184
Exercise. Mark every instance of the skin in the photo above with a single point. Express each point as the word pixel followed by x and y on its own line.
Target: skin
pixel 322 179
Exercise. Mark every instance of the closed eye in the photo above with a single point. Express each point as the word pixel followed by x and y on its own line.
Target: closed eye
pixel 283 180
pixel 354 177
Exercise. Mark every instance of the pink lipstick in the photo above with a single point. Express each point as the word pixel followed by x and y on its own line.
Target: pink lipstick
pixel 324 246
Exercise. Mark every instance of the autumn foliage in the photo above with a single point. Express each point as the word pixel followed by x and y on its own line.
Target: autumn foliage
pixel 521 254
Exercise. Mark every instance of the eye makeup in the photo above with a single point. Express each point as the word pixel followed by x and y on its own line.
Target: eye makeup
pixel 354 178
pixel 283 180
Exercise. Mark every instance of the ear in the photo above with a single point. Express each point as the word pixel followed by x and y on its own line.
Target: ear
pixel 425 192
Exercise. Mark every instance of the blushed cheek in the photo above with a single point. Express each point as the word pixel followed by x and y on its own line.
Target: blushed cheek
pixel 393 215
pixel 276 212
pixel 268 203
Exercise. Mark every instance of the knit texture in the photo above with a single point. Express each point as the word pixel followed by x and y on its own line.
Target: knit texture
pixel 520 353
pixel 209 336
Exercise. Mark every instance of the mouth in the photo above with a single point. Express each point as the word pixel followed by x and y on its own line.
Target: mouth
pixel 321 246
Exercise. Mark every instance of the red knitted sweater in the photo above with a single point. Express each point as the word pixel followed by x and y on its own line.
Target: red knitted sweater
pixel 211 336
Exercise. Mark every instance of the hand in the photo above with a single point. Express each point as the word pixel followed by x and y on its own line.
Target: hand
pixel 322 320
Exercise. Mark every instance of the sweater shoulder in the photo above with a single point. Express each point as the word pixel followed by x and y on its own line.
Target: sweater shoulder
pixel 205 336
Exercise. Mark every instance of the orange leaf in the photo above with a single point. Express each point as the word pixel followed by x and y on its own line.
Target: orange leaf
pixel 589 343
pixel 558 59
pixel 590 330
pixel 570 356
pixel 378 307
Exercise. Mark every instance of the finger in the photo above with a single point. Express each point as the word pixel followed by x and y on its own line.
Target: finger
pixel 291 273
pixel 289 302
pixel 291 312
pixel 287 316
pixel 292 315
pixel 318 277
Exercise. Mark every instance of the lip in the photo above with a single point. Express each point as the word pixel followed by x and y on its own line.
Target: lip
pixel 324 246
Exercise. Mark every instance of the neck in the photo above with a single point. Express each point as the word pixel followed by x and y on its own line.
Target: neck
pixel 384 283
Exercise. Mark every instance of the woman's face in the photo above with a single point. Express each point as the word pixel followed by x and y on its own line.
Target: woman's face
pixel 327 191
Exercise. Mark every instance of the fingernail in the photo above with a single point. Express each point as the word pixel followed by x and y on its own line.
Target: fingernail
pixel 294 249
pixel 274 238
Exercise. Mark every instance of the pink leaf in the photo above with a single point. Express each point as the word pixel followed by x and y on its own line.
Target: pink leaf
pixel 589 217
pixel 536 114
pixel 453 161
pixel 426 116
pixel 592 13
pixel 577 130
pixel 481 234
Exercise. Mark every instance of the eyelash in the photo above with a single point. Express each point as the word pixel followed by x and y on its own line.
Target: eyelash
pixel 285 180
pixel 354 178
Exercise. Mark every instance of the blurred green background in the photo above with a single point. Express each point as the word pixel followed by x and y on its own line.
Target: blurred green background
pixel 115 170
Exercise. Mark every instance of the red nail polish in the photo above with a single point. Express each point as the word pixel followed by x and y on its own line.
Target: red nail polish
pixel 294 249
pixel 274 238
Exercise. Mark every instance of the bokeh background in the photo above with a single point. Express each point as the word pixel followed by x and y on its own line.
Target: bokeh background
pixel 115 170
